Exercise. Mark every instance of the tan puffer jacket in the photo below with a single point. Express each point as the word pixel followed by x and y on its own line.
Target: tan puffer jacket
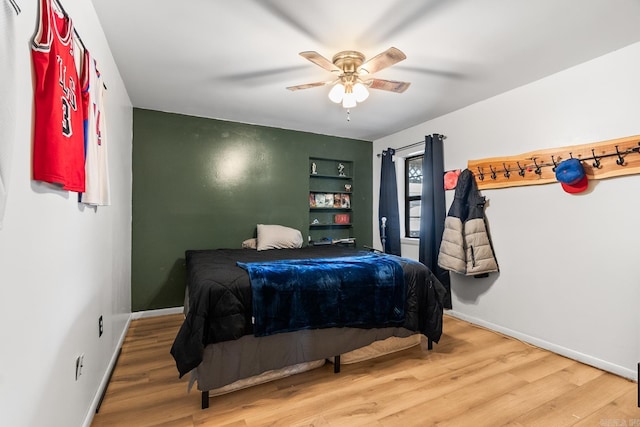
pixel 466 246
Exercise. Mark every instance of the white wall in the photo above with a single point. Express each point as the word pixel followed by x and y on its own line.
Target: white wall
pixel 569 278
pixel 62 265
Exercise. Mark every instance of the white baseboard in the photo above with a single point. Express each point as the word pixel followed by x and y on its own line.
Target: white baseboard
pixel 114 358
pixel 155 313
pixel 563 351
pixel 107 375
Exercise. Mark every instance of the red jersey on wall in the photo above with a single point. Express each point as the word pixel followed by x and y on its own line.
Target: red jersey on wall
pixel 58 145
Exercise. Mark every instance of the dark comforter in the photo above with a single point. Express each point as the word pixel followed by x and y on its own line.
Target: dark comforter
pixel 220 297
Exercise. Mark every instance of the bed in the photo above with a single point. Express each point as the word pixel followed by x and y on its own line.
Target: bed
pixel 223 339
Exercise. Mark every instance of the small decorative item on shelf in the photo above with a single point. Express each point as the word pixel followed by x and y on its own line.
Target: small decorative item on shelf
pixel 347 188
pixel 341 218
pixel 341 169
pixel 312 200
pixel 314 168
pixel 315 221
pixel 337 201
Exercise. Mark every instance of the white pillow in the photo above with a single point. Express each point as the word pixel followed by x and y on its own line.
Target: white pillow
pixel 278 237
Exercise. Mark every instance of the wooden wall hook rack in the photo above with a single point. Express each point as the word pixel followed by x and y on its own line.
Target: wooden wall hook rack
pixel 606 159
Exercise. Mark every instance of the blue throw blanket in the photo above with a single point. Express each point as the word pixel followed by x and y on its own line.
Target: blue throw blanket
pixel 289 295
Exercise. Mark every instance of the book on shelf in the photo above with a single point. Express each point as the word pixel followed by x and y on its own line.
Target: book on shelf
pixel 328 200
pixel 346 201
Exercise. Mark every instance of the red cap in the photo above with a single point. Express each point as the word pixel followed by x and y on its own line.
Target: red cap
pixel 577 187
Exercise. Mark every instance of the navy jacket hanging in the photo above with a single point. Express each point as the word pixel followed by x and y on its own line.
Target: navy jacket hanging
pixel 466 247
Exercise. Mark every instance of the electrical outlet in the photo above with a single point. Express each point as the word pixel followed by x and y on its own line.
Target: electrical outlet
pixel 100 326
pixel 79 364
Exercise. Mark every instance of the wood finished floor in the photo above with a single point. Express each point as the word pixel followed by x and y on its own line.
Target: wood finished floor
pixel 474 377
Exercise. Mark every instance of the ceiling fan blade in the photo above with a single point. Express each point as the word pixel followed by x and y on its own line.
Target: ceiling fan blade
pixel 320 60
pixel 389 85
pixel 309 85
pixel 396 20
pixel 284 14
pixel 382 60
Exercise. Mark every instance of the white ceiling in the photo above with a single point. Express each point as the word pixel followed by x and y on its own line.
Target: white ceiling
pixel 232 59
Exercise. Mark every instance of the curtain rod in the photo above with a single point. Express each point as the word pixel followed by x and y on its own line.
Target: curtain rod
pixel 415 144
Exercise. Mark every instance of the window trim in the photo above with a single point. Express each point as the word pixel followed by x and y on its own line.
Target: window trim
pixel 408 199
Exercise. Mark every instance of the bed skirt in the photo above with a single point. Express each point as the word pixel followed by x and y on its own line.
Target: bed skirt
pixel 227 362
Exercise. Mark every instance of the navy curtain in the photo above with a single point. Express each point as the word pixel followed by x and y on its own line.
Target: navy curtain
pixel 433 210
pixel 388 204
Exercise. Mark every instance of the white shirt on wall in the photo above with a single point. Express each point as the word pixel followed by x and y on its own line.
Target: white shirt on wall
pixel 97 189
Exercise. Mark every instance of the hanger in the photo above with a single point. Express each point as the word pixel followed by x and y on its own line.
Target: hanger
pixel 64 12
pixel 15 6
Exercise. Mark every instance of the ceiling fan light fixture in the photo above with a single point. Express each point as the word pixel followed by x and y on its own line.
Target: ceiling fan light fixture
pixel 360 92
pixel 337 93
pixel 349 99
pixel 349 102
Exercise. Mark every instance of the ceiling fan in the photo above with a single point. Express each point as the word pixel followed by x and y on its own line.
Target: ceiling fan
pixel 350 85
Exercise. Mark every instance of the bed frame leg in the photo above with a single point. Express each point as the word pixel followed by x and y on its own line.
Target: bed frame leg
pixel 336 364
pixel 429 344
pixel 205 399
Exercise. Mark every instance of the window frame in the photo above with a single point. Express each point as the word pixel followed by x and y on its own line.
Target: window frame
pixel 407 198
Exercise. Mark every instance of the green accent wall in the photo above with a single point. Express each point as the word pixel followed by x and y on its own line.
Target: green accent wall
pixel 204 184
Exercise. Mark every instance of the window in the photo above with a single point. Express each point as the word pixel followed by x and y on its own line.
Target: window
pixel 412 195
